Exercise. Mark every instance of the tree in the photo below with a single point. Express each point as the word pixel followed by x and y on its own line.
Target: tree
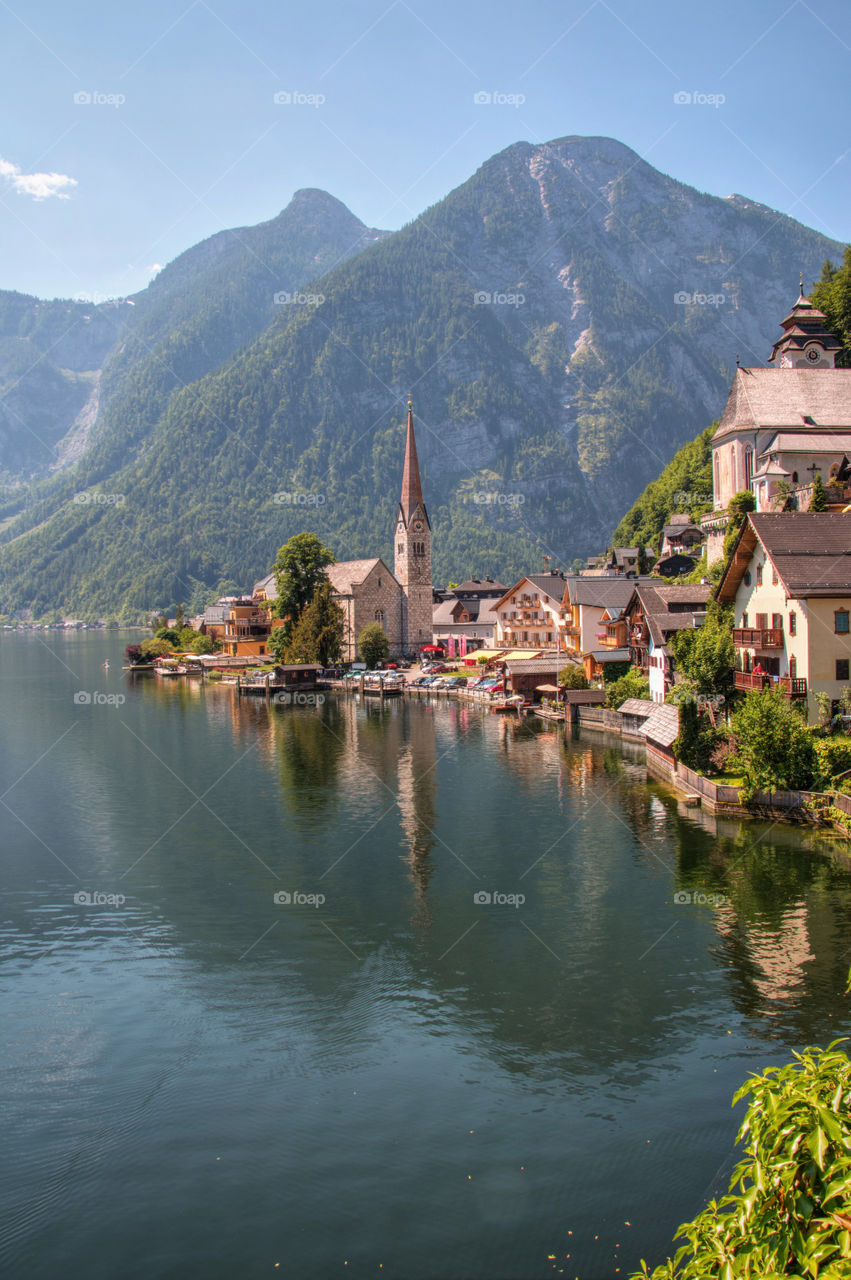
pixel 277 644
pixel 739 505
pixel 819 499
pixel 318 634
pixel 631 685
pixel 156 648
pixel 573 677
pixel 832 295
pixel 706 654
pixel 696 739
pixel 171 634
pixel 203 644
pixel 373 645
pixel 299 570
pixel 786 1210
pixel 773 744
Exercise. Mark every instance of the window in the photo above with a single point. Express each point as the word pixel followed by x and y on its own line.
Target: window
pixel 777 621
pixel 840 623
pixel 759 575
pixel 762 621
pixel 842 668
pixel 748 578
pixel 774 577
pixel 793 623
pixel 744 620
pixel 400 549
pixel 794 477
pixel 748 467
pixel 379 584
pixel 793 667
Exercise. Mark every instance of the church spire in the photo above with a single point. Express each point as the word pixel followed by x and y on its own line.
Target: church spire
pixel 412 494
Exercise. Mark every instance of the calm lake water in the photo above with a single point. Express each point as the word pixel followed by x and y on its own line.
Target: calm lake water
pixel 398 1079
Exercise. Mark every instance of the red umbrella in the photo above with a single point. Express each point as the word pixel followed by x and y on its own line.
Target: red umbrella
pixel 431 648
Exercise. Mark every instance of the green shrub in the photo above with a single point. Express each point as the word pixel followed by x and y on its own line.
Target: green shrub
pixel 786 1212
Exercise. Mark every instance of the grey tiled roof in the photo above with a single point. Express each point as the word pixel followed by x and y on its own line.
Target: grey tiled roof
pixel 784 397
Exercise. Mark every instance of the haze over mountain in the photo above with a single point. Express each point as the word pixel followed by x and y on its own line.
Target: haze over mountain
pixel 565 320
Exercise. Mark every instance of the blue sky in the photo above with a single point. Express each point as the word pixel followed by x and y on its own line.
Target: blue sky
pixel 130 132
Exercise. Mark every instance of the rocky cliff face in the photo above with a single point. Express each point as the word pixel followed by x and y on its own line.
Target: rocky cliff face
pixel 565 319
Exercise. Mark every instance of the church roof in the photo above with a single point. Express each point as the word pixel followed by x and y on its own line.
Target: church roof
pixel 808 442
pixel 351 573
pixel 804 323
pixel 412 492
pixel 785 397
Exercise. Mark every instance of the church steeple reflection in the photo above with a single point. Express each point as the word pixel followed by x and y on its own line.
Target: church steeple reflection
pixel 417 791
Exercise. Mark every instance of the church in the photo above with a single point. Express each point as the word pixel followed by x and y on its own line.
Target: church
pixel 400 601
pixel 783 425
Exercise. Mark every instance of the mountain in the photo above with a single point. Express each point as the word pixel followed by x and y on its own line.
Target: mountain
pixel 565 319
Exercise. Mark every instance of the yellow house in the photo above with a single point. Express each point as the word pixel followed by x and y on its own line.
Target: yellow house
pixel 529 614
pixel 246 630
pixel 788 579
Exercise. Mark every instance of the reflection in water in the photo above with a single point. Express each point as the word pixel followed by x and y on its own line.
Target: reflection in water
pixel 417 782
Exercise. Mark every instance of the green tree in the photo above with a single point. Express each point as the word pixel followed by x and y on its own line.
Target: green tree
pixel 631 685
pixel 318 634
pixel 573 677
pixel 739 505
pixel 277 644
pixel 706 654
pixel 819 499
pixel 373 645
pixel 203 644
pixel 299 569
pixel 773 744
pixel 697 737
pixel 832 295
pixel 171 634
pixel 786 1210
pixel 158 647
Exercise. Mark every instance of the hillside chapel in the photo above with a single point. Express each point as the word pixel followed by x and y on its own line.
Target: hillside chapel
pixel 401 600
pixel 783 425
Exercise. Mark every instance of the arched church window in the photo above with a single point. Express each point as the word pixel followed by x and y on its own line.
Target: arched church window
pixel 748 467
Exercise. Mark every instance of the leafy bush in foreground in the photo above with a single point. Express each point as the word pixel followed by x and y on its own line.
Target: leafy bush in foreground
pixel 788 1208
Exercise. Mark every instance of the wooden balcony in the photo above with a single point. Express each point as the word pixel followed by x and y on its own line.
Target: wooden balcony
pixel 758 637
pixel 570 629
pixel 791 686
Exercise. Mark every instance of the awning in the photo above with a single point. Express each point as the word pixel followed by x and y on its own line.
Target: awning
pixel 482 653
pixel 547 688
pixel 516 654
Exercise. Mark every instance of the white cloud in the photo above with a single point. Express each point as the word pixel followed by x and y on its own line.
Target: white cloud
pixel 154 268
pixel 41 186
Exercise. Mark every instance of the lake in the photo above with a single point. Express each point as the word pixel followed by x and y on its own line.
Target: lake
pixel 408 990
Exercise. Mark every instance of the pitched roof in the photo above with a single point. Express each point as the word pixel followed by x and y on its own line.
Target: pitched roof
pixel 537 666
pixel 266 584
pixel 603 592
pixel 636 707
pixel 808 442
pixel 784 397
pixel 412 493
pixel 810 550
pixel 662 725
pixel 480 586
pixel 350 573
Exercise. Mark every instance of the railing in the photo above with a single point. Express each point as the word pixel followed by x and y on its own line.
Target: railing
pixel 791 686
pixel 758 637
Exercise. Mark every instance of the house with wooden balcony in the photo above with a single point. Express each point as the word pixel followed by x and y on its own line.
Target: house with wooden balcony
pixel 653 614
pixel 788 579
pixel 529 614
pixel 247 627
pixel 586 603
